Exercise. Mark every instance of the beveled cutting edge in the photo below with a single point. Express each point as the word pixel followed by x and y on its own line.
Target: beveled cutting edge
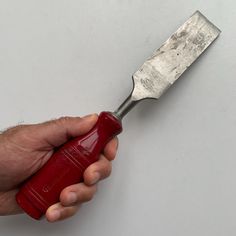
pixel 170 61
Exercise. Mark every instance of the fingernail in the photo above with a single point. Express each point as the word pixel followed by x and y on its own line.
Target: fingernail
pixel 96 177
pixel 72 197
pixel 55 215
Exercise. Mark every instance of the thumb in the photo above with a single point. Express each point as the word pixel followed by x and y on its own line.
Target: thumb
pixel 57 132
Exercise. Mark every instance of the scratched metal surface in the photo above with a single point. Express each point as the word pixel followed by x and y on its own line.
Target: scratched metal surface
pixel 170 61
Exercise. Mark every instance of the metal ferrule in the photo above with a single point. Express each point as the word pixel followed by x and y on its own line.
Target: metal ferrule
pixel 125 107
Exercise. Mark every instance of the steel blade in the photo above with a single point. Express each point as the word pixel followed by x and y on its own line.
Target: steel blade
pixel 170 61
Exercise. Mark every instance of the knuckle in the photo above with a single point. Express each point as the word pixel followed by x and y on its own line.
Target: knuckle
pixel 63 120
pixel 108 169
pixel 15 129
pixel 68 212
pixel 88 195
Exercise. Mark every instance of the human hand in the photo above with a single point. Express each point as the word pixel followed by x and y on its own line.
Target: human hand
pixel 24 149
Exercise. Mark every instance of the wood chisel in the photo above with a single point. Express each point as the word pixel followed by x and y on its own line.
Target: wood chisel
pixel 154 77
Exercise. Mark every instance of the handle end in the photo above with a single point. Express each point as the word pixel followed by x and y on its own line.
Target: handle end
pixel 28 206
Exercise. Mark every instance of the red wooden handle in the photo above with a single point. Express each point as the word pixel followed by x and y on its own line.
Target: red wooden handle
pixel 66 166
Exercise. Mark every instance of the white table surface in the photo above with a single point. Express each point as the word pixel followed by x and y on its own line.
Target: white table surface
pixel 175 173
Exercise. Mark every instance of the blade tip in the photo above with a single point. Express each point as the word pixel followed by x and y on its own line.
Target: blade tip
pixel 197 12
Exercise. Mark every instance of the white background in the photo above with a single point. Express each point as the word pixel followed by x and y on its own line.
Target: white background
pixel 175 173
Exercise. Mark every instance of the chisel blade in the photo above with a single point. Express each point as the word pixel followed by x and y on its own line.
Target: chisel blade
pixel 170 61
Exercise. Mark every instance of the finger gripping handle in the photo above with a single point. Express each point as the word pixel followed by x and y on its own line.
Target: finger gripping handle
pixel 66 166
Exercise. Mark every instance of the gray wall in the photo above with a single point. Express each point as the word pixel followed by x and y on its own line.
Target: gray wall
pixel 175 170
